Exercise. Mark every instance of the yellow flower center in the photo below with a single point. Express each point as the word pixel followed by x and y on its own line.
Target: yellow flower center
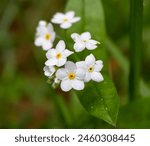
pixel 84 41
pixel 90 69
pixel 47 36
pixel 65 20
pixel 58 56
pixel 71 75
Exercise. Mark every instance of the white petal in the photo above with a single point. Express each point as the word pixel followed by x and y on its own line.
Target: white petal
pixel 61 74
pixel 87 77
pixel 66 25
pixel 77 84
pixel 46 71
pixel 59 15
pixel 51 32
pixel 85 36
pixel 94 42
pixel 51 62
pixel 90 60
pixel 75 37
pixel 51 53
pixel 70 66
pixel 96 76
pixel 49 68
pixel 42 23
pixel 48 74
pixel 74 20
pixel 79 46
pixel 53 35
pixel 60 46
pixel 49 71
pixel 80 73
pixel 81 64
pixel 46 68
pixel 98 65
pixel 39 41
pixel 57 81
pixel 56 21
pixel 67 53
pixel 50 27
pixel 58 18
pixel 90 46
pixel 52 69
pixel 41 30
pixel 99 62
pixel 61 62
pixel 66 85
pixel 70 14
pixel 46 45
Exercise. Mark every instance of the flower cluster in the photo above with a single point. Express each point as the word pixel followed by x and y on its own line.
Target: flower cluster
pixel 57 68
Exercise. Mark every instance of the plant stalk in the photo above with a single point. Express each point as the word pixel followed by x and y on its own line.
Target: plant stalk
pixel 136 19
pixel 63 111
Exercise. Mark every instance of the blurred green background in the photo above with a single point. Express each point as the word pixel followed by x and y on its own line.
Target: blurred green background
pixel 27 101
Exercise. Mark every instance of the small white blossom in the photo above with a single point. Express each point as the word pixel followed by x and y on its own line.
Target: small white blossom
pixel 71 77
pixel 58 56
pixel 49 71
pixel 56 81
pixel 92 68
pixel 65 20
pixel 45 35
pixel 84 41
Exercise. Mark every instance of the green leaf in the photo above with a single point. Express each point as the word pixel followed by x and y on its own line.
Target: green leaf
pixel 99 99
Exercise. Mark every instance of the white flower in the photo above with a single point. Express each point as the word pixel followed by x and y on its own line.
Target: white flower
pixel 58 56
pixel 84 41
pixel 92 68
pixel 45 35
pixel 71 77
pixel 49 71
pixel 65 20
pixel 56 81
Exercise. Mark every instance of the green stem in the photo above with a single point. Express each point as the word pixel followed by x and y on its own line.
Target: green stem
pixel 136 18
pixel 62 108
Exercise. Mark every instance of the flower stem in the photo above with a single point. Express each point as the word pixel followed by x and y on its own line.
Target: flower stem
pixel 62 108
pixel 136 18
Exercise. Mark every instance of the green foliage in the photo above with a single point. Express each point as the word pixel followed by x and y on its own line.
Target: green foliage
pixel 136 30
pixel 99 99
pixel 135 115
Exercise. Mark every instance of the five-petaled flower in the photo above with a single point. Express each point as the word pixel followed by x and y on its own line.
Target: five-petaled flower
pixel 45 35
pixel 58 56
pixel 71 77
pixel 84 41
pixel 92 68
pixel 49 71
pixel 65 20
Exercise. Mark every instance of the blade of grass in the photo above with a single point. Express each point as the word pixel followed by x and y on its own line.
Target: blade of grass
pixel 136 18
